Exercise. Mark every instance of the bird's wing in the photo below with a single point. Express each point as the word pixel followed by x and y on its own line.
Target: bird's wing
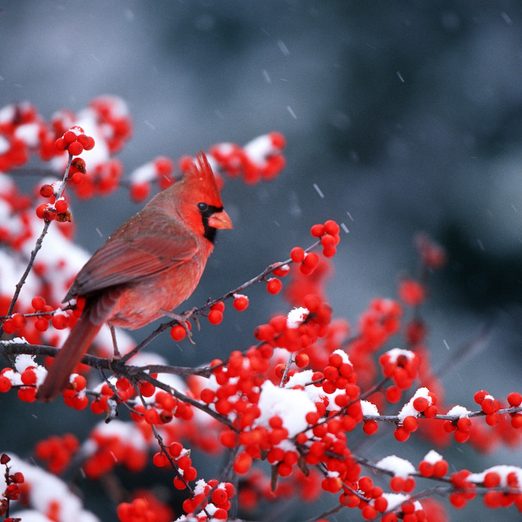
pixel 136 251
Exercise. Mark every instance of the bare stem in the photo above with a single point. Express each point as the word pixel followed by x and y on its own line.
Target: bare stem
pixel 204 308
pixel 39 243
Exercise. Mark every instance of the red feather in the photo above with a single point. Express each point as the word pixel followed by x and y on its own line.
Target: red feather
pixel 151 264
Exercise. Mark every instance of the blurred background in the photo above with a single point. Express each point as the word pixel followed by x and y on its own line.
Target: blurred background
pixel 406 115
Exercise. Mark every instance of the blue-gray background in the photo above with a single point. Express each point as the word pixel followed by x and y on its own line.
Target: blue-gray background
pixel 407 115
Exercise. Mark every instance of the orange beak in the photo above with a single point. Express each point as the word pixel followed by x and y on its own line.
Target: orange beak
pixel 220 220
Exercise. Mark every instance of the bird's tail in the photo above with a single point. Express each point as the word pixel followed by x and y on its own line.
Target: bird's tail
pixel 75 346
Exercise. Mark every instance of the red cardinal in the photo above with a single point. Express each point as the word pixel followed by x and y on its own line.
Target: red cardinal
pixel 150 265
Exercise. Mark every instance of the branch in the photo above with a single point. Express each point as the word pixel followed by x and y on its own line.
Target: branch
pixel 39 243
pixel 118 367
pixel 454 418
pixel 200 310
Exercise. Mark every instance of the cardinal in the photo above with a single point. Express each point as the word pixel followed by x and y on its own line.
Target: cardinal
pixel 150 265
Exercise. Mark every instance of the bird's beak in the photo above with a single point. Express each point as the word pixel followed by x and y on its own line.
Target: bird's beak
pixel 220 220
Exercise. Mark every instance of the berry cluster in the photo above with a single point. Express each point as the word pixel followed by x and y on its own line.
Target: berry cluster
pixel 401 367
pixel 160 170
pixel 115 444
pixel 210 499
pixel 260 159
pixel 74 141
pixel 12 491
pixel 411 292
pixel 57 451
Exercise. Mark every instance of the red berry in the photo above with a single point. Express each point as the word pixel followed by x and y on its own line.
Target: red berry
pixel 69 137
pixel 59 321
pixel 86 141
pixel 412 292
pixel 514 399
pixel 242 463
pixel 139 191
pixel 61 206
pixel 60 144
pixel 274 286
pixel 9 326
pixel 401 434
pixel 215 317
pixel 41 209
pixel 46 191
pixel 479 396
pixel 278 140
pixel 38 303
pixel 178 333
pixel 311 260
pixel 240 302
pixel 297 254
pixel 302 360
pixel 370 427
pixel 41 324
pixel 420 404
pixel 331 227
pixel 317 230
pixel 75 148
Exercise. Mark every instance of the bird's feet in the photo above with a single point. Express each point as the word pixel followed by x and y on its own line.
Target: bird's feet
pixel 183 320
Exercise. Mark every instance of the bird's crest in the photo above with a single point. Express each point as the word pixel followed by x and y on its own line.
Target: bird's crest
pixel 201 178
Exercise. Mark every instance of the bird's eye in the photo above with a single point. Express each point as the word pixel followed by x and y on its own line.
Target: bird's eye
pixel 202 207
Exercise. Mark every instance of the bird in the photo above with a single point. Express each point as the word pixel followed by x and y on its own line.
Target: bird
pixel 149 265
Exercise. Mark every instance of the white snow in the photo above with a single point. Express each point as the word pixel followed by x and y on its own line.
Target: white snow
pixel 13 376
pixel 396 465
pixel 28 133
pixel 459 411
pixel 432 457
pixel 344 356
pixel 408 409
pixel 4 145
pixel 296 316
pixel 502 470
pixel 118 106
pixel 315 393
pixel 200 487
pixel 144 174
pixel 259 148
pixel 368 408
pixel 395 353
pixel 7 113
pixel 126 431
pixel 6 184
pixel 15 340
pixel 395 500
pixel 291 405
pixel 46 489
pixel 100 153
pixel 23 361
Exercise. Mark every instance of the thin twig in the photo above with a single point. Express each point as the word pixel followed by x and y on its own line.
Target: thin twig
pixel 211 302
pixel 39 243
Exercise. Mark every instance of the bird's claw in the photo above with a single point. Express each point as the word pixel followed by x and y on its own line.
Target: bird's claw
pixel 182 320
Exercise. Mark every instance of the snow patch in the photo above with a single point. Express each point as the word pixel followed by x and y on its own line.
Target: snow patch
pixel 296 316
pixel 432 457
pixel 502 470
pixel 368 408
pixel 291 405
pixel 46 489
pixel 395 353
pixel 408 410
pixel 28 133
pixel 396 465
pixel 459 411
